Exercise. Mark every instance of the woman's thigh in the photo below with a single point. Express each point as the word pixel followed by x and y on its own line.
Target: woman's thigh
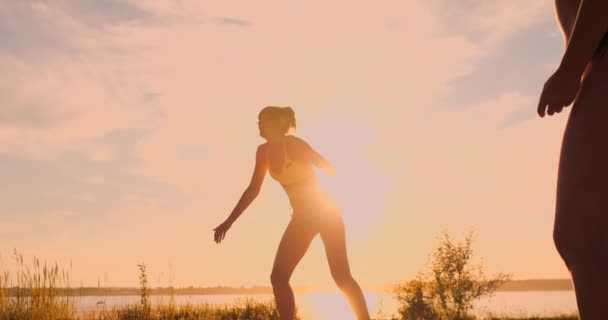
pixel 293 245
pixel 582 185
pixel 334 239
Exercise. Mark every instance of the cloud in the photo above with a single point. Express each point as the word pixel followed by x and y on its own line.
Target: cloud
pixel 95 180
pixel 36 219
pixel 233 21
pixel 31 116
pixel 101 154
pixel 62 214
pixel 524 113
pixel 515 49
pixel 107 12
pixel 66 85
pixel 29 30
pixel 491 23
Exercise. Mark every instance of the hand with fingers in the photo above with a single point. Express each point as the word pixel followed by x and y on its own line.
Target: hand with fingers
pixel 559 91
pixel 220 231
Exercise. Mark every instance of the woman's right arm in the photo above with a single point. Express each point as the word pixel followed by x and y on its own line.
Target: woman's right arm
pixel 248 195
pixel 566 11
pixel 589 28
pixel 561 88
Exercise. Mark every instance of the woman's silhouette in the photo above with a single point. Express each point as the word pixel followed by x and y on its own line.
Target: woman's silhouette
pixel 290 161
pixel 581 217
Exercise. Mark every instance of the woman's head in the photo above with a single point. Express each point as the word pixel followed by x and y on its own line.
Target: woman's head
pixel 276 121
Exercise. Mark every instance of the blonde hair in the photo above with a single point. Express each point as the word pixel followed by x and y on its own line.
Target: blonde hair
pixel 284 115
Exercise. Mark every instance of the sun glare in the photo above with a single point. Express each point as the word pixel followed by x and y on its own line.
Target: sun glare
pixel 328 305
pixel 360 187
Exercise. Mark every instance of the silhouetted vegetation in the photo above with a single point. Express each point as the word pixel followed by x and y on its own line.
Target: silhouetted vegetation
pixel 144 295
pixel 42 292
pixel 447 290
pixel 563 317
pixel 34 292
pixel 245 310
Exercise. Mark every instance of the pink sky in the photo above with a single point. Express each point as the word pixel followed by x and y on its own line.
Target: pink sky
pixel 129 131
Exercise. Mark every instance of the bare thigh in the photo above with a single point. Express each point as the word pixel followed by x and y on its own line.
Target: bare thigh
pixel 292 247
pixel 581 217
pixel 334 239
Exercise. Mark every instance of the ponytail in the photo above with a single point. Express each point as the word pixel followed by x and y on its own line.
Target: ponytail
pixel 289 115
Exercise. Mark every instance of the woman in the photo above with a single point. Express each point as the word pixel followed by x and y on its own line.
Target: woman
pixel 581 218
pixel 290 161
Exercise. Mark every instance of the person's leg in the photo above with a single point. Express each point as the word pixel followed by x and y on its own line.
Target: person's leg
pixel 590 283
pixel 293 246
pixel 581 241
pixel 334 239
pixel 587 262
pixel 581 217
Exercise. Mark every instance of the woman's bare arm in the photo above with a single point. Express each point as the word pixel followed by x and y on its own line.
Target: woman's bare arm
pixel 254 187
pixel 561 89
pixel 316 158
pixel 589 28
pixel 248 195
pixel 566 11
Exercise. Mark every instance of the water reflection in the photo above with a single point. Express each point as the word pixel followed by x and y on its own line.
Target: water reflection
pixel 332 305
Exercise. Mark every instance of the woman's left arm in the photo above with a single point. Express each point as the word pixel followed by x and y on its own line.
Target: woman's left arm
pixel 316 158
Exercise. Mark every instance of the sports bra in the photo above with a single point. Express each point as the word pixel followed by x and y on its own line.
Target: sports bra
pixel 292 171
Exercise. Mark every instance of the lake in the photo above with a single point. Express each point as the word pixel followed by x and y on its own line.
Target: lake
pixel 332 305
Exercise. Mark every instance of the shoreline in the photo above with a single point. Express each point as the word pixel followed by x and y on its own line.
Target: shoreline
pixel 514 285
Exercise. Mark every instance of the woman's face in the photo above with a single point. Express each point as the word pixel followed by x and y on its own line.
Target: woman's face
pixel 267 126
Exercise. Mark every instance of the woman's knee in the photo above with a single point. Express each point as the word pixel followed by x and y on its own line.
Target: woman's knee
pixel 279 277
pixel 578 248
pixel 567 245
pixel 342 279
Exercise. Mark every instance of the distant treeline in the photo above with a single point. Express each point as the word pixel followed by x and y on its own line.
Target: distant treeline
pixel 515 285
pixel 538 285
pixel 126 291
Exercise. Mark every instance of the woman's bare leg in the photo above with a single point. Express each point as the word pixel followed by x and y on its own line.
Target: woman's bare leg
pixel 293 246
pixel 582 207
pixel 334 239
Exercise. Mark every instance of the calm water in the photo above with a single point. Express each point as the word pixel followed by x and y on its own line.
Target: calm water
pixel 332 305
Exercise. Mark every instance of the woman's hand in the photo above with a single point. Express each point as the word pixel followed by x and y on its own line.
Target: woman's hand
pixel 559 91
pixel 220 231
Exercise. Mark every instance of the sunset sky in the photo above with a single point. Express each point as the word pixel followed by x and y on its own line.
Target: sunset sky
pixel 128 131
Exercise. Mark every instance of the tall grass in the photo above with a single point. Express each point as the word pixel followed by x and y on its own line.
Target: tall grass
pixel 144 293
pixel 38 292
pixel 42 292
pixel 244 310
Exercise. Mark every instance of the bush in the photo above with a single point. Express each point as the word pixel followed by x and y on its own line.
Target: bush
pixel 447 290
